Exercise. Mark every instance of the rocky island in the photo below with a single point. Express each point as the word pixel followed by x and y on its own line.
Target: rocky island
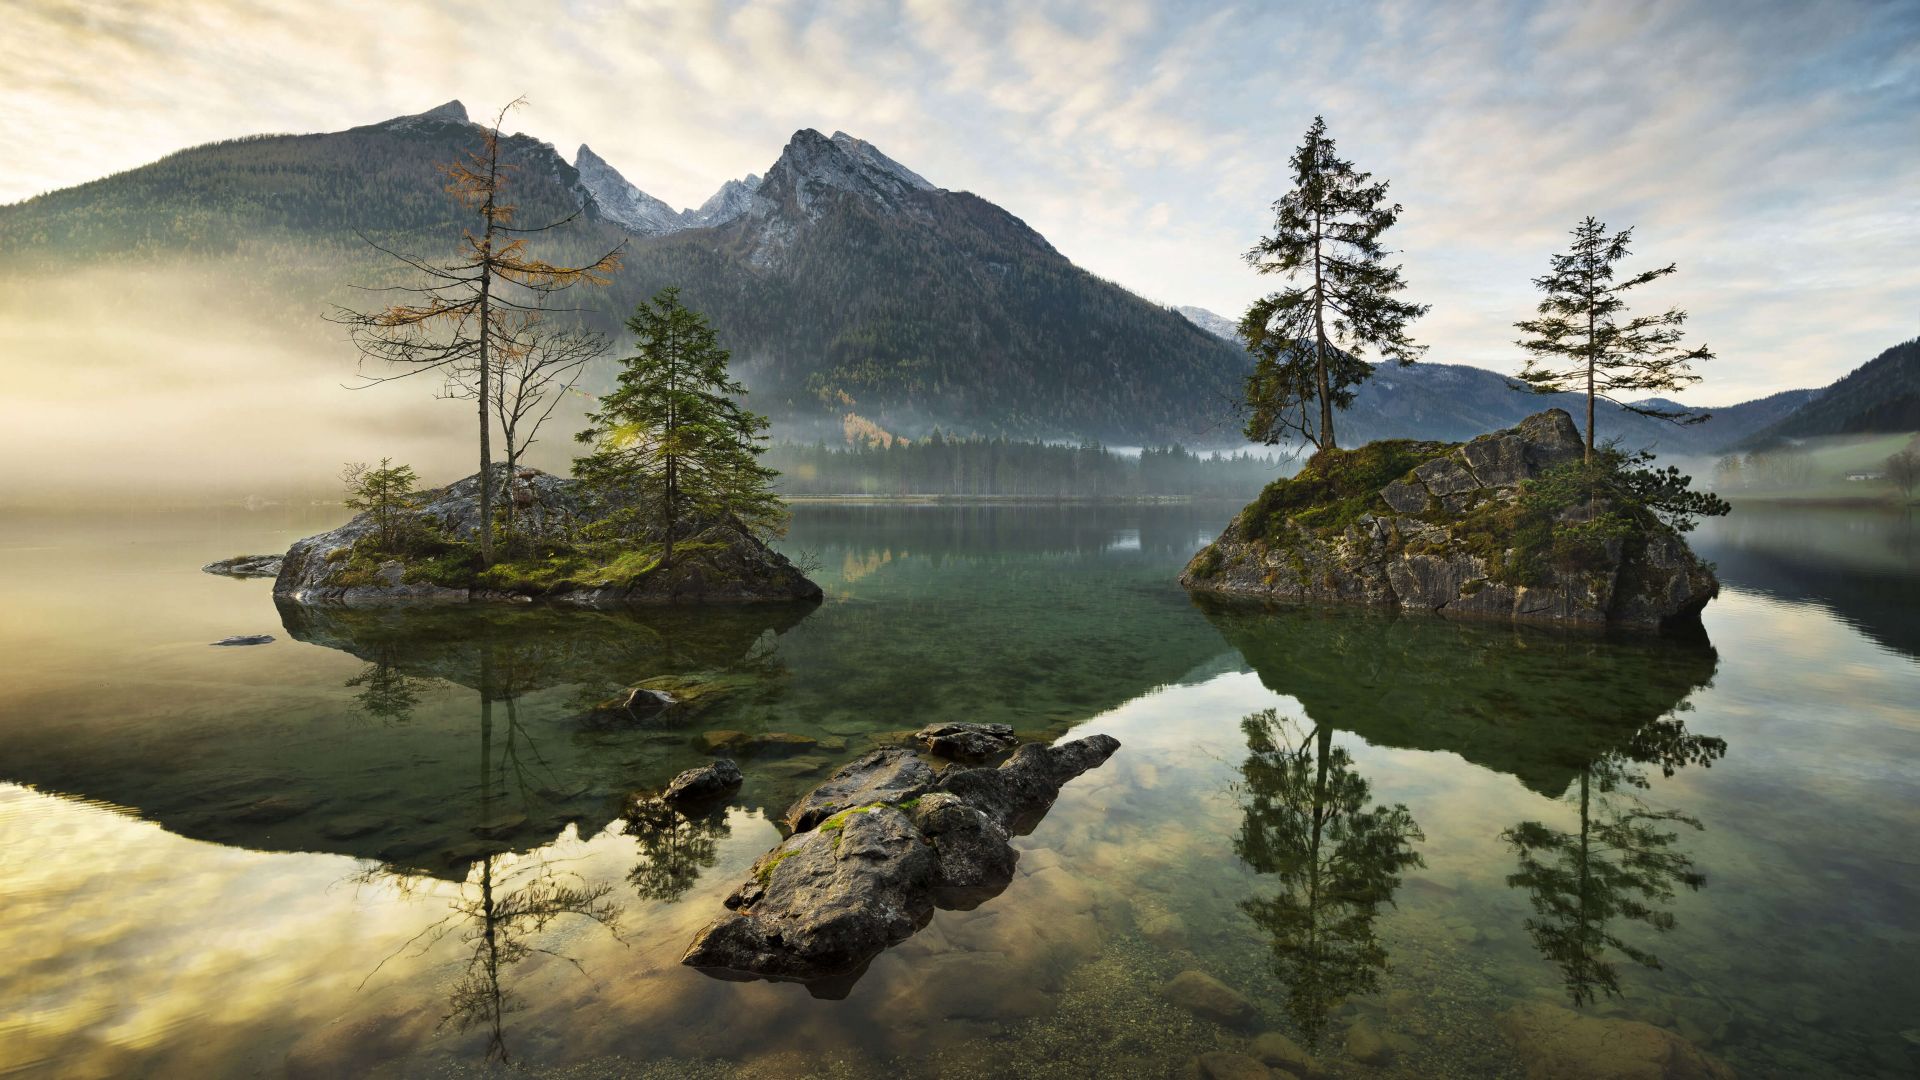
pixel 1513 524
pixel 426 551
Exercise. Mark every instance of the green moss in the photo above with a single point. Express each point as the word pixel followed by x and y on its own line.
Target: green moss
pixel 1336 488
pixel 1207 563
pixel 764 874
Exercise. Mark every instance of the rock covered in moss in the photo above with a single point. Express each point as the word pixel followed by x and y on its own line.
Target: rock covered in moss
pixel 1458 528
pixel 724 563
pixel 821 905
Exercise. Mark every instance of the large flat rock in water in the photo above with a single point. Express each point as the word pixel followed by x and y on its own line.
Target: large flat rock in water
pixel 881 844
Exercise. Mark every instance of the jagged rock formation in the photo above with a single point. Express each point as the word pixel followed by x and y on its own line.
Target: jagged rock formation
pixel 966 742
pixel 1444 527
pixel 638 212
pixel 245 566
pixel 883 843
pixel 729 566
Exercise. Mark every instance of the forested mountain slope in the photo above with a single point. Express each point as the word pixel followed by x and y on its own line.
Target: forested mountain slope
pixel 843 281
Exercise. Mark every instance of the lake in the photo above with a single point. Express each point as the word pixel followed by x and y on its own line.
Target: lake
pixel 395 843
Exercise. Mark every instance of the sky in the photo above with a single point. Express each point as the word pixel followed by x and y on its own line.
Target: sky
pixel 1771 149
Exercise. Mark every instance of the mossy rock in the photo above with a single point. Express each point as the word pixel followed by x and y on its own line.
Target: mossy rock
pixel 1513 524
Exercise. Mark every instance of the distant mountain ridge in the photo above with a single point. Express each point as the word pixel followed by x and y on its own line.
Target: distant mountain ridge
pixel 843 281
pixel 1880 396
pixel 1455 401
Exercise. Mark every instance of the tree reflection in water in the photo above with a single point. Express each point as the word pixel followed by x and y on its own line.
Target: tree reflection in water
pixel 675 847
pixel 386 692
pixel 508 900
pixel 1338 860
pixel 1620 864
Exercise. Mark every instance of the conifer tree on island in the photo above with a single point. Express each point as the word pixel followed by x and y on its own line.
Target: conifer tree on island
pixel 1309 339
pixel 1584 325
pixel 474 307
pixel 672 439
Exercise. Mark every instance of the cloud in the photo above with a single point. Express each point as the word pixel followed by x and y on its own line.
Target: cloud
pixel 1766 149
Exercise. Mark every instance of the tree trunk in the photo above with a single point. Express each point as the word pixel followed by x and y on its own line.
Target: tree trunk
pixel 486 371
pixel 1320 344
pixel 1592 358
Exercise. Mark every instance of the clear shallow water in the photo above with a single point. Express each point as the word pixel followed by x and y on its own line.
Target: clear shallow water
pixel 336 855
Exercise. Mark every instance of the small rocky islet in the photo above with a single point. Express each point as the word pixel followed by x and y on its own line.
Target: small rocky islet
pixel 1459 528
pixel 874 850
pixel 721 561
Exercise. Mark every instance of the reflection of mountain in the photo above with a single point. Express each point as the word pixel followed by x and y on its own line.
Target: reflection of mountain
pixel 462 737
pixel 1536 703
pixel 1863 565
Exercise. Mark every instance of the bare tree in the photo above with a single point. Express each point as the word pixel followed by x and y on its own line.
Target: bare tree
pixel 474 306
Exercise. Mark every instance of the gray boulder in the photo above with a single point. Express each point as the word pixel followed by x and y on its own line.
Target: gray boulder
pixel 245 566
pixel 1018 793
pixel 824 903
pixel 855 880
pixel 890 774
pixel 715 780
pixel 966 742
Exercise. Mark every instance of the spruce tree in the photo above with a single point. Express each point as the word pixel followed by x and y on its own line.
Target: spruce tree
pixel 1584 326
pixel 673 437
pixel 1309 339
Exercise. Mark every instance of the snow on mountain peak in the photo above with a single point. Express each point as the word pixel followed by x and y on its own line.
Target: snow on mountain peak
pixel 871 156
pixel 619 200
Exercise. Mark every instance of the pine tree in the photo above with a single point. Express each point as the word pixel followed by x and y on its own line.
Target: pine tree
pixel 1584 324
pixel 386 493
pixel 1309 339
pixel 473 307
pixel 672 433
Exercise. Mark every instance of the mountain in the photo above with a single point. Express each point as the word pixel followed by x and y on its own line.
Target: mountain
pixel 1218 325
pixel 642 214
pixel 843 281
pixel 1454 401
pixel 1881 395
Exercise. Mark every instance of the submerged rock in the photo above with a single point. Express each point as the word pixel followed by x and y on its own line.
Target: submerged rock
pixel 1441 527
pixel 1221 1065
pixel 756 743
pixel 245 566
pixel 1209 998
pixel 246 639
pixel 966 742
pixel 1558 1043
pixel 728 564
pixel 860 876
pixel 715 780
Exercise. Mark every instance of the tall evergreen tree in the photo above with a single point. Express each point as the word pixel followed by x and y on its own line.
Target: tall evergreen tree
pixel 1309 339
pixel 1584 325
pixel 472 307
pixel 673 434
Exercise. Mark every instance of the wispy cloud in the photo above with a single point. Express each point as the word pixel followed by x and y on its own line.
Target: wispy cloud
pixel 1767 147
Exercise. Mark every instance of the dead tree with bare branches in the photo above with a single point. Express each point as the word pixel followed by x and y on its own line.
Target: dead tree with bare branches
pixel 470 310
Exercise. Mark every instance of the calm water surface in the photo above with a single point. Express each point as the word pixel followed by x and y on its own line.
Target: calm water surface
pixel 388 844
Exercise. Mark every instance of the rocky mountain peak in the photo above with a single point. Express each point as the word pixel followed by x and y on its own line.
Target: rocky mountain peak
pixel 814 164
pixel 453 112
pixel 622 202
